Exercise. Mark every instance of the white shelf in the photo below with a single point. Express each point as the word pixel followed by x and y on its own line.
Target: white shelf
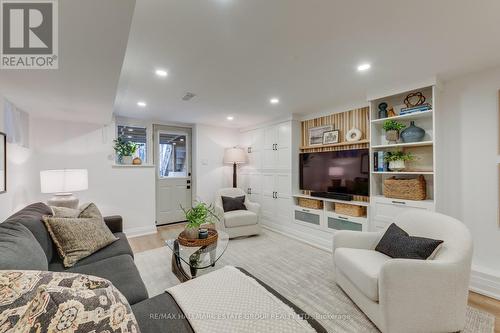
pixel 410 116
pixel 402 145
pixel 357 203
pixel 414 202
pixel 403 172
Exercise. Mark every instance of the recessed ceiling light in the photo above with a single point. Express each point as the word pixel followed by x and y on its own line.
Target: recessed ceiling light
pixel 274 100
pixel 364 67
pixel 161 73
pixel 141 104
pixel 229 117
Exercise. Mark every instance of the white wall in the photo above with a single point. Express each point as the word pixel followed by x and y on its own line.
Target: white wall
pixel 129 192
pixel 467 161
pixel 211 173
pixel 20 181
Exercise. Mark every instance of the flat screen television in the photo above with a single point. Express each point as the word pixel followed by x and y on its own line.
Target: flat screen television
pixel 336 172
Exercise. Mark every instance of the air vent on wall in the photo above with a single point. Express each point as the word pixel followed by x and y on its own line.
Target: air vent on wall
pixel 188 96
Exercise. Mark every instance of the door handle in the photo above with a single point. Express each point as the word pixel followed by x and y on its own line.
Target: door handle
pixel 275 146
pixel 188 181
pixel 188 187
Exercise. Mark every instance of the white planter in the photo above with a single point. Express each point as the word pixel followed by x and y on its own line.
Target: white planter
pixel 397 165
pixel 126 160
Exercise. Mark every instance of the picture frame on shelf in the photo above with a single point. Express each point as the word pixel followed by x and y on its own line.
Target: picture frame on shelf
pixel 330 137
pixel 316 134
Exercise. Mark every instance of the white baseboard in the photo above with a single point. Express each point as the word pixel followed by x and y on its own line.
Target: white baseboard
pixel 485 284
pixel 141 231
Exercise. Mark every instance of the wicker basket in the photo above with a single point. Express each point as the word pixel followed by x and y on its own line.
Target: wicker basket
pixel 409 189
pixel 350 210
pixel 310 203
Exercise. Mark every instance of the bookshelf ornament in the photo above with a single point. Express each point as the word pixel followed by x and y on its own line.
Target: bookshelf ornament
pixel 353 135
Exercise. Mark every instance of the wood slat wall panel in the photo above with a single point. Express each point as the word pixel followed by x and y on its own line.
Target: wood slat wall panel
pixel 344 121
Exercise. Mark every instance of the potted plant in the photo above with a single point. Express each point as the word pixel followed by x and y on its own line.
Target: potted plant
pixel 392 129
pixel 397 160
pixel 125 150
pixel 201 213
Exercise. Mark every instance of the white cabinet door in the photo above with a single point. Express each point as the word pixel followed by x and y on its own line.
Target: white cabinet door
pixel 283 211
pixel 385 210
pixel 283 159
pixel 257 139
pixel 255 183
pixel 283 186
pixel 268 158
pixel 270 137
pixel 284 135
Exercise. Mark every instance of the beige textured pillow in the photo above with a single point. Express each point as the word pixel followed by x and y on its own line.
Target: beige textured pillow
pixel 79 237
pixel 64 212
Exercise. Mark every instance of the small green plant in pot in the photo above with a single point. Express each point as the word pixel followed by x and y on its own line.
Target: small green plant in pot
pixel 125 150
pixel 397 160
pixel 201 213
pixel 392 129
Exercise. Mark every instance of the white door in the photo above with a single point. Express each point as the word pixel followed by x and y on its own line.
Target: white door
pixel 270 146
pixel 256 145
pixel 283 199
pixel 172 153
pixel 268 195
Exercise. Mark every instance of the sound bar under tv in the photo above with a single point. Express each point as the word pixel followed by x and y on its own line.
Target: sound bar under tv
pixel 331 195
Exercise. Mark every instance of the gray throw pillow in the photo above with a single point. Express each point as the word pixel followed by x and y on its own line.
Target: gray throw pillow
pixel 79 237
pixel 236 203
pixel 19 249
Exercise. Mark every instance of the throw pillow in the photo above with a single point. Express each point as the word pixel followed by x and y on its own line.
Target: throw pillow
pixel 396 243
pixel 236 203
pixel 64 212
pixel 62 302
pixel 17 242
pixel 79 237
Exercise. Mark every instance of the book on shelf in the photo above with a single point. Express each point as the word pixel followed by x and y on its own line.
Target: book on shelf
pixel 381 164
pixel 375 161
pixel 415 109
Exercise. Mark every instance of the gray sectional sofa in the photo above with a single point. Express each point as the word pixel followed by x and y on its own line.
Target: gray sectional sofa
pixel 25 244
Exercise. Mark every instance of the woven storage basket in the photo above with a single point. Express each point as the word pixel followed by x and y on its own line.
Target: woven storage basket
pixel 310 203
pixel 409 189
pixel 351 210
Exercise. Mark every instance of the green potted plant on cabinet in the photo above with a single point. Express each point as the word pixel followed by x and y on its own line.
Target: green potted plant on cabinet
pixel 397 160
pixel 125 150
pixel 392 129
pixel 198 215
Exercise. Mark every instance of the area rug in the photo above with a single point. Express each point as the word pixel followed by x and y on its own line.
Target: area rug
pixel 300 272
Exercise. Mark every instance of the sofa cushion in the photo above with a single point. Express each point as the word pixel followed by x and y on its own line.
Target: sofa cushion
pixel 31 218
pixel 362 268
pixel 237 203
pixel 161 314
pixel 121 246
pixel 122 272
pixel 239 218
pixel 19 249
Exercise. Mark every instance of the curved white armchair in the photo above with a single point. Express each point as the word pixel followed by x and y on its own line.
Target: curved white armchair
pixel 408 295
pixel 238 222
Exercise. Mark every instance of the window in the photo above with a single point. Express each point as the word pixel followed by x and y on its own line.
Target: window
pixel 172 155
pixel 137 135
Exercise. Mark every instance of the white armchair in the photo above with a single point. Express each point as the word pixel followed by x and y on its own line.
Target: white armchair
pixel 238 222
pixel 408 295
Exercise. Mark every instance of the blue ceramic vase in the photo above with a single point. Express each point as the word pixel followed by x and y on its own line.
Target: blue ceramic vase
pixel 412 133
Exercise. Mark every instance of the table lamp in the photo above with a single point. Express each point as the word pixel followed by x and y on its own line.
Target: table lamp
pixel 235 156
pixel 62 183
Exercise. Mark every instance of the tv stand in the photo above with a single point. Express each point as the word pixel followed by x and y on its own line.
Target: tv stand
pixel 330 195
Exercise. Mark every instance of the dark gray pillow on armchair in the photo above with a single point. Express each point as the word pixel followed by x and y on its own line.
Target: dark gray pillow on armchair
pixel 16 243
pixel 236 203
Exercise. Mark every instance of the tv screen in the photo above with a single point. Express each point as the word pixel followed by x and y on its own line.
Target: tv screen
pixel 343 172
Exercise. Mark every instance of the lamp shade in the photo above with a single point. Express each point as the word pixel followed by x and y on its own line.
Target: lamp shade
pixel 235 155
pixel 64 181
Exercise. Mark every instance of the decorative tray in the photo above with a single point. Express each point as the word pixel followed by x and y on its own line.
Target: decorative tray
pixel 212 238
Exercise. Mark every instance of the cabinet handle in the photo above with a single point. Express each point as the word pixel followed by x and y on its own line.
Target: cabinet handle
pixel 249 190
pixel 249 150
pixel 305 210
pixel 275 146
pixel 399 202
pixel 343 218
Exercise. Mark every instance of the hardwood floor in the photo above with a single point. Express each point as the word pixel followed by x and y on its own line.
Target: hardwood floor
pixel 150 242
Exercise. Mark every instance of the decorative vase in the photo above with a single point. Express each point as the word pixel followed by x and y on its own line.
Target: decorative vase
pixel 412 133
pixel 137 161
pixel 191 233
pixel 382 110
pixel 392 136
pixel 126 160
pixel 398 165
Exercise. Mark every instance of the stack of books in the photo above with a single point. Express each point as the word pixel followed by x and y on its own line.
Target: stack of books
pixel 414 109
pixel 379 163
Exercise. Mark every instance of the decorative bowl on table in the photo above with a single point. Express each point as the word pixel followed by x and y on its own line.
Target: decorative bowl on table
pixel 185 241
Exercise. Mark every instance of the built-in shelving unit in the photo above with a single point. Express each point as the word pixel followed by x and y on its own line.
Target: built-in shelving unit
pixel 384 210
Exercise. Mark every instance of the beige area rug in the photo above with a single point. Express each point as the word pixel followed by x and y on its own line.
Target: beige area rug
pixel 298 271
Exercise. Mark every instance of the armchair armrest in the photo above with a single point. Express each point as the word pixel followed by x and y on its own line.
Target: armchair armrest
pixel 356 239
pixel 437 289
pixel 219 211
pixel 253 207
pixel 114 223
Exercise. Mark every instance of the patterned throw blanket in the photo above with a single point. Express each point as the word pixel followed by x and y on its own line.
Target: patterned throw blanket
pixel 242 305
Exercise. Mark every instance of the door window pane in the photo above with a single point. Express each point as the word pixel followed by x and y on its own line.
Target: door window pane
pixel 172 155
pixel 136 135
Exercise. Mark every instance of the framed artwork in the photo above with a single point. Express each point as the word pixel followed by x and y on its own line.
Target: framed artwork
pixel 330 137
pixel 3 163
pixel 316 134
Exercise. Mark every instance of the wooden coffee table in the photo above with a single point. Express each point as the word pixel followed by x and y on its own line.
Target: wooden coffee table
pixel 196 257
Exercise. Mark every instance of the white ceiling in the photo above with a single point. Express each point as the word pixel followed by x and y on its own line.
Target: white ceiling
pixel 236 54
pixel 92 41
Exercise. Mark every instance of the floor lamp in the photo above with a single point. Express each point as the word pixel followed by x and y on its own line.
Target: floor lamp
pixel 235 156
